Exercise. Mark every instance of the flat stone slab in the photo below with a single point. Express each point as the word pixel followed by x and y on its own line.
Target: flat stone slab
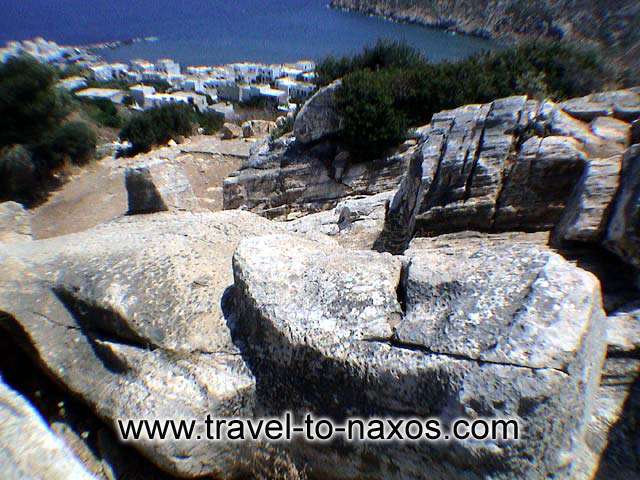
pixel 501 331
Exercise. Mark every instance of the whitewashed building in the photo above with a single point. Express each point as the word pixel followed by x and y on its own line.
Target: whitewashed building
pixel 168 66
pixel 116 96
pixel 72 83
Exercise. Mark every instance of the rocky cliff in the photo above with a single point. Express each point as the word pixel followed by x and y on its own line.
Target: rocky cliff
pixel 517 164
pixel 488 270
pixel 308 171
pixel 614 25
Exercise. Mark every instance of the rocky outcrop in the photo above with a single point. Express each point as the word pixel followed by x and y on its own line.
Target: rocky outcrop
pixel 285 179
pixel 355 222
pixel 29 450
pixel 613 432
pixel 516 164
pixel 131 317
pixel 586 214
pixel 318 117
pixel 257 128
pixel 158 186
pixel 488 331
pixel 622 234
pixel 15 223
pixel 230 131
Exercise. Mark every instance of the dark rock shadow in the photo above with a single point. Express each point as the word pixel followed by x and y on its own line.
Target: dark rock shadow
pixel 92 440
pixel 99 324
pixel 621 458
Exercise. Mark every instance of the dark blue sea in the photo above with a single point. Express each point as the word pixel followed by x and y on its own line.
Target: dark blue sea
pixel 219 31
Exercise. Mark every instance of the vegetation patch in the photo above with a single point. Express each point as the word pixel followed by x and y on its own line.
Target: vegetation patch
pixel 157 126
pixel 36 138
pixel 390 87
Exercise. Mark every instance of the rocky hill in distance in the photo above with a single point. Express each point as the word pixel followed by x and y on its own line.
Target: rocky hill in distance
pixel 614 25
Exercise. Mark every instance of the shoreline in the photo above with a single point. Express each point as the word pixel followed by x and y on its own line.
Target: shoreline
pixel 450 26
pixel 115 44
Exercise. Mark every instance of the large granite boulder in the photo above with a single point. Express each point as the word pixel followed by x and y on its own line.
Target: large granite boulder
pixel 231 131
pixel 15 223
pixel 485 331
pixel 29 450
pixel 622 236
pixel 516 164
pixel 318 117
pixel 356 222
pixel 158 186
pixel 131 317
pixel 257 128
pixel 286 180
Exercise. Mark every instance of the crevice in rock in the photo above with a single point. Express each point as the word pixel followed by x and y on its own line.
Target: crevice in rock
pixel 394 342
pixel 430 196
pixel 509 163
pixel 89 438
pixel 100 323
pixel 401 289
pixel 476 155
pixel 634 355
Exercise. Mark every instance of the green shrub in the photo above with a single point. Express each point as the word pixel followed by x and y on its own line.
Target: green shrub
pixel 30 103
pixel 391 85
pixel 103 112
pixel 75 142
pixel 372 123
pixel 384 54
pixel 18 176
pixel 157 126
pixel 34 138
pixel 210 122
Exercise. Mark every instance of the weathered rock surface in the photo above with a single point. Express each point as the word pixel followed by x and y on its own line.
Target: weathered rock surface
pixel 614 430
pixel 130 317
pixel 622 235
pixel 503 331
pixel 15 223
pixel 257 128
pixel 286 180
pixel 158 186
pixel 318 118
pixel 356 222
pixel 585 217
pixel 231 130
pixel 29 450
pixel 514 164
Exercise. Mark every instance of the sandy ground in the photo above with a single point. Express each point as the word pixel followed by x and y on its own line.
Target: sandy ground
pixel 97 193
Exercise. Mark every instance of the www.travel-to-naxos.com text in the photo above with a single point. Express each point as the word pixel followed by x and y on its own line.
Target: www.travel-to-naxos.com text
pixel 319 429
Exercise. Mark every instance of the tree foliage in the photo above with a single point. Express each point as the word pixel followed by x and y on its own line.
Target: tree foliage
pixel 35 138
pixel 30 104
pixel 371 121
pixel 391 85
pixel 157 126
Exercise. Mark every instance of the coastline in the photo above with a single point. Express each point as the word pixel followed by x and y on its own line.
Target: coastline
pixel 614 34
pixel 113 45
pixel 400 17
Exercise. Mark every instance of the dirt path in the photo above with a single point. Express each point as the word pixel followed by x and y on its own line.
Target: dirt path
pixel 97 193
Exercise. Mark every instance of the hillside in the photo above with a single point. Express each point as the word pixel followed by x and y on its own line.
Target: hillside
pixel 614 25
